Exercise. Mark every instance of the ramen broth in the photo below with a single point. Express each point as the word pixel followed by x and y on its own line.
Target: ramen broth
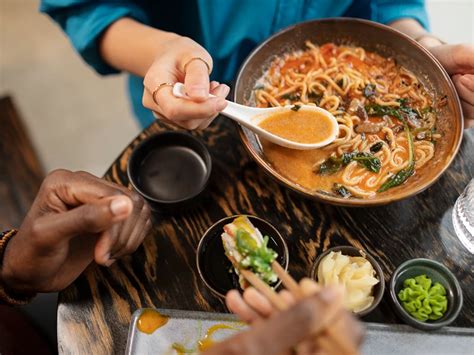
pixel 302 126
pixel 387 120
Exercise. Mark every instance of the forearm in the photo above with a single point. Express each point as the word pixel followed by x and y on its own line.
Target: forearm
pixel 131 46
pixel 413 29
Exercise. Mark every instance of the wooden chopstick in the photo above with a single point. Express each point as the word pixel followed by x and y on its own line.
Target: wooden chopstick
pixel 287 280
pixel 263 288
pixel 292 286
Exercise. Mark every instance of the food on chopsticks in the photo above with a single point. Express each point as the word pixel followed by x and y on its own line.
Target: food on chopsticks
pixel 355 273
pixel 387 119
pixel 422 299
pixel 247 249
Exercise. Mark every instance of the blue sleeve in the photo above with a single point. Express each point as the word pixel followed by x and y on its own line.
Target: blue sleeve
pixel 84 21
pixel 386 11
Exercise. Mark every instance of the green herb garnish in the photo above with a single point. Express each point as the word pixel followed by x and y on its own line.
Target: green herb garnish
pixel 315 98
pixel 341 190
pixel 368 160
pixel 376 147
pixel 427 109
pixel 379 110
pixel 403 101
pixel 291 96
pixel 257 258
pixel 401 176
pixel 295 107
pixel 402 112
pixel 333 164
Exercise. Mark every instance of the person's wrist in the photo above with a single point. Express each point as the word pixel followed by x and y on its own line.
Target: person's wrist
pixel 7 276
pixel 10 291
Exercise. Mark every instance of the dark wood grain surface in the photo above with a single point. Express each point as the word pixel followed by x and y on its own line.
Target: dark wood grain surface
pixel 94 313
pixel 21 173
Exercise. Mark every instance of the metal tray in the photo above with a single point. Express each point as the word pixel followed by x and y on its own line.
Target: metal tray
pixel 187 328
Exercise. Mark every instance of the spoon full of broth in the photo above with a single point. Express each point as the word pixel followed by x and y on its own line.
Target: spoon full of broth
pixel 301 127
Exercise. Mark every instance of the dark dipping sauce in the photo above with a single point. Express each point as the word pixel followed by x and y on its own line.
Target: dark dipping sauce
pixel 214 265
pixel 172 173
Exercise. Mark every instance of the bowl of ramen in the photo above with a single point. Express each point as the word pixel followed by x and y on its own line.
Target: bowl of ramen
pixel 400 120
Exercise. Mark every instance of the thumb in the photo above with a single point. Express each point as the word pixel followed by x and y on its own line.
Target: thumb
pixel 196 80
pixel 85 219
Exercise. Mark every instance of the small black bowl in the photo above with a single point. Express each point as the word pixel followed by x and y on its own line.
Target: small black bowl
pixel 169 170
pixel 437 272
pixel 351 251
pixel 216 270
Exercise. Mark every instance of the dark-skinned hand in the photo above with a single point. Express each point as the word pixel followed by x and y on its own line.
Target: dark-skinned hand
pixel 75 219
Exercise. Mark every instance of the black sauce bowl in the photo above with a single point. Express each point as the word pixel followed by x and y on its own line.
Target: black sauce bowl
pixel 170 170
pixel 216 270
pixel 437 272
pixel 378 289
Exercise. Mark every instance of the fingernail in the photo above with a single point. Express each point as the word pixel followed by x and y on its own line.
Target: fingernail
pixel 329 294
pixel 227 89
pixel 109 262
pixel 120 205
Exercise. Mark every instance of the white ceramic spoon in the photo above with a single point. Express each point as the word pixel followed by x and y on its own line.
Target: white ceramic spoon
pixel 250 117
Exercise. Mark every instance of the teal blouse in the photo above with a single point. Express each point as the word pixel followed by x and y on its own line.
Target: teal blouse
pixel 228 29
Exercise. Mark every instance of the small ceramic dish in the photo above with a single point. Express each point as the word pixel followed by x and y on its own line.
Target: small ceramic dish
pixel 437 272
pixel 351 251
pixel 216 270
pixel 169 169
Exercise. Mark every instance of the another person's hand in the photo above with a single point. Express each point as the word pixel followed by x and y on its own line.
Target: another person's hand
pixel 458 60
pixel 253 308
pixel 76 218
pixel 183 60
pixel 275 332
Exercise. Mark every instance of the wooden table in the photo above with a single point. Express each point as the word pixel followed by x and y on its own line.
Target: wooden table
pixel 94 312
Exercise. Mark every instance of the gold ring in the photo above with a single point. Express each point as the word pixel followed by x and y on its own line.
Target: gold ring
pixel 202 60
pixel 154 92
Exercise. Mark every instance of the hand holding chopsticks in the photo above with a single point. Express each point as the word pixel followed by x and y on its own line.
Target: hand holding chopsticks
pixel 327 336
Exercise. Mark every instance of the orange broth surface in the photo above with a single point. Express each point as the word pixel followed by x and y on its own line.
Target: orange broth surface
pixel 300 126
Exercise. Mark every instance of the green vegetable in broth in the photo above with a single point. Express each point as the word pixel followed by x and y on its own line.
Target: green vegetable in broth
pixel 333 164
pixel 341 190
pixel 295 107
pixel 402 175
pixel 368 160
pixel 376 147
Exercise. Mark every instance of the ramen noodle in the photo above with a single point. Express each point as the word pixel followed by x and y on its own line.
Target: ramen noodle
pixel 387 119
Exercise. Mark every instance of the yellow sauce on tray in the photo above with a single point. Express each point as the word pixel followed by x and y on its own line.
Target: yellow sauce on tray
pixel 206 342
pixel 202 344
pixel 150 320
pixel 299 126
